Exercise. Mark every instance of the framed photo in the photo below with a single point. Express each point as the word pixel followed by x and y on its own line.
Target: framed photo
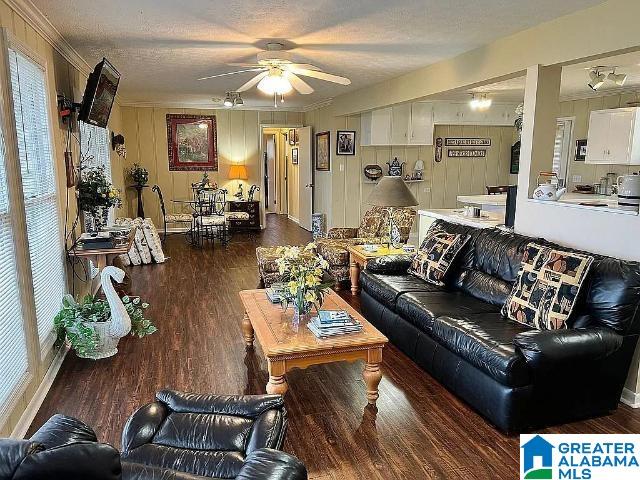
pixel 581 150
pixel 323 151
pixel 346 143
pixel 192 142
pixel 294 156
pixel 291 136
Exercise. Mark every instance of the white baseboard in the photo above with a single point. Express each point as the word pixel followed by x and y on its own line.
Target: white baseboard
pixel 292 218
pixel 30 412
pixel 630 398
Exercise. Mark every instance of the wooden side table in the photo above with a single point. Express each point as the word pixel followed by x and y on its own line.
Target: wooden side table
pixel 358 258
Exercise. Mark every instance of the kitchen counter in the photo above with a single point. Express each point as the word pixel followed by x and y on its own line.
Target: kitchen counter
pixel 499 200
pixel 454 215
pixel 576 199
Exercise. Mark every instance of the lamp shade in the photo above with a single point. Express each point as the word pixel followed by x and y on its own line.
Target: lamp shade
pixel 392 192
pixel 238 172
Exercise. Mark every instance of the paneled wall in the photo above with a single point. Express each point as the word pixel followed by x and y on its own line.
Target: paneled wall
pixel 342 193
pixel 238 135
pixel 581 109
pixel 63 77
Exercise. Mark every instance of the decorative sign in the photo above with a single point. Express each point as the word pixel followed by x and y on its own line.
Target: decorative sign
pixel 438 150
pixel 467 142
pixel 458 152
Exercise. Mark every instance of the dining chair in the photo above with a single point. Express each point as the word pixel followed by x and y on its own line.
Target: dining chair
pixel 210 219
pixel 177 218
pixel 497 189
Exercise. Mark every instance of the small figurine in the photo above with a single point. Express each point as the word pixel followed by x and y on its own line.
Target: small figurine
pixel 254 188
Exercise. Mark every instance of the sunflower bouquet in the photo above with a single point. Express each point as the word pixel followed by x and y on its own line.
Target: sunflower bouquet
pixel 302 270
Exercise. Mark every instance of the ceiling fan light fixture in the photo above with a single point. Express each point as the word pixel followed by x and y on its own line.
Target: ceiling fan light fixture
pixel 275 83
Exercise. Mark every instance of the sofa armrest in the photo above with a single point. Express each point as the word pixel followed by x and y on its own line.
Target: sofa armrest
pixel 268 431
pixel 142 425
pixel 268 464
pixel 546 350
pixel 62 430
pixel 390 264
pixel 339 233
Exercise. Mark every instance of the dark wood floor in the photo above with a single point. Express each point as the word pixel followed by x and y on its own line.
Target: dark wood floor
pixel 419 429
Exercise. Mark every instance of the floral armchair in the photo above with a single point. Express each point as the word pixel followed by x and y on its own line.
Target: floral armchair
pixel 374 228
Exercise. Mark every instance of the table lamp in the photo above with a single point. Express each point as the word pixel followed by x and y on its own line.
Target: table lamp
pixel 238 172
pixel 392 192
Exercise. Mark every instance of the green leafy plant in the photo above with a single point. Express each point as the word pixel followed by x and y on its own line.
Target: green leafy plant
pixel 73 321
pixel 95 191
pixel 139 175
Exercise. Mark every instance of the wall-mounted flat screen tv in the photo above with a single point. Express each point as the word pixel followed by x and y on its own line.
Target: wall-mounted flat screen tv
pixel 99 94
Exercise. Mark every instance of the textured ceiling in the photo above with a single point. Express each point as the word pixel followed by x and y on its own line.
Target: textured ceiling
pixel 162 46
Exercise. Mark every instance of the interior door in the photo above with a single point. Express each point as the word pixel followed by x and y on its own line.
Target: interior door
pixel 305 178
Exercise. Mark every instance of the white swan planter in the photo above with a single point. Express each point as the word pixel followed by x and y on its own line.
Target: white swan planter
pixel 109 333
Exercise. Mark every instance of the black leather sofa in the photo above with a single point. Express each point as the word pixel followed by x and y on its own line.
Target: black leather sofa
pixel 177 437
pixel 516 377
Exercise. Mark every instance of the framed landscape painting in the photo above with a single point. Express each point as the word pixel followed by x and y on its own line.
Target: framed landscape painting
pixel 323 151
pixel 192 142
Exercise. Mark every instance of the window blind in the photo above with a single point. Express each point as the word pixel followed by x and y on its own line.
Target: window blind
pixel 13 348
pixel 39 188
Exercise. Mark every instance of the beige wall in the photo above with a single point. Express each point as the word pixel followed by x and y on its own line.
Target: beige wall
pixel 63 77
pixel 342 193
pixel 580 109
pixel 238 134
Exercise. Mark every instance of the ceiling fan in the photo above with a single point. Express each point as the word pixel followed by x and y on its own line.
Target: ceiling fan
pixel 278 75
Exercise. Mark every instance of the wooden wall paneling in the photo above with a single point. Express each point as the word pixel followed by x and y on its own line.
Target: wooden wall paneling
pixel 469 168
pixel 439 171
pixel 338 177
pixel 147 159
pixel 353 178
pixel 130 127
pixel 251 153
pixel 19 27
pixel 452 171
pixel 504 157
pixel 6 16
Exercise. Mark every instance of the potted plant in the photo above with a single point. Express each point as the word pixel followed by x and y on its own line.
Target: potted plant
pixel 85 325
pixel 139 175
pixel 95 196
pixel 302 270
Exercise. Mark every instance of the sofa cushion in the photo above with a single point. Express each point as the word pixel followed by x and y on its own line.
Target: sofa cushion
pixel 387 288
pixel 422 308
pixel 486 341
pixel 547 287
pixel 436 254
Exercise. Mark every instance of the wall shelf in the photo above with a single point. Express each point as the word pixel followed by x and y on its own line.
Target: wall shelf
pixel 373 182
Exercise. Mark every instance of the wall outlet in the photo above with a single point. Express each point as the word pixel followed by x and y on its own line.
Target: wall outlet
pixel 427 189
pixel 576 178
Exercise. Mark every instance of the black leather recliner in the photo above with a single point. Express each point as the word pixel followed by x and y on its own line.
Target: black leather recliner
pixel 178 437
pixel 517 377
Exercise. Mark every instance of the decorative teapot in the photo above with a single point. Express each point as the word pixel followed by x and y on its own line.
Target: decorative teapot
pixel 396 168
pixel 548 191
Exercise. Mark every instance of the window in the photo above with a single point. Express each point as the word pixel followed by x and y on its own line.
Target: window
pixel 13 348
pixel 562 147
pixel 46 251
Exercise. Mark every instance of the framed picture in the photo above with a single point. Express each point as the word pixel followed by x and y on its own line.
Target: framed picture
pixel 323 151
pixel 346 143
pixel 294 156
pixel 192 142
pixel 581 150
pixel 291 136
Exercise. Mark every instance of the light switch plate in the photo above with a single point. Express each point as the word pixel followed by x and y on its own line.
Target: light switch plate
pixel 342 167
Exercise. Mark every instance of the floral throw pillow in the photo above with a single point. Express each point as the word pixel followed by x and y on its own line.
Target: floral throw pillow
pixel 436 254
pixel 546 288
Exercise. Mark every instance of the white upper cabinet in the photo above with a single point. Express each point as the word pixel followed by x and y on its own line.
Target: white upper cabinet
pixel 413 123
pixel 614 137
pixel 421 126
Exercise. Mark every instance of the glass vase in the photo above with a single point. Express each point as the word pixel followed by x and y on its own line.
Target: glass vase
pixel 301 314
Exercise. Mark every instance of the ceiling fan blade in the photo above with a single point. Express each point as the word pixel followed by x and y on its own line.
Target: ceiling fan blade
pixel 232 73
pixel 246 65
pixel 322 76
pixel 253 81
pixel 300 85
pixel 306 66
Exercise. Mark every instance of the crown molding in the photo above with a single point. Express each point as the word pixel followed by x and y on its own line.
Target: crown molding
pixel 41 24
pixel 206 106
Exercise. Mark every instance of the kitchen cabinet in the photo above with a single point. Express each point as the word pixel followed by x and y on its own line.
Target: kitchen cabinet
pixel 614 137
pixel 405 124
pixel 381 127
pixel 400 121
pixel 421 126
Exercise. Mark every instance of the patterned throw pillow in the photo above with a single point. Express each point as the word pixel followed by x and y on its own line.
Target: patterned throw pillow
pixel 546 288
pixel 435 256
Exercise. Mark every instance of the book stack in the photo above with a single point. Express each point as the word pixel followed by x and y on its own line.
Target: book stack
pixel 95 241
pixel 276 292
pixel 330 323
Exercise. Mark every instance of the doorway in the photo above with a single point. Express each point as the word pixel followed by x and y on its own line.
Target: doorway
pixel 286 172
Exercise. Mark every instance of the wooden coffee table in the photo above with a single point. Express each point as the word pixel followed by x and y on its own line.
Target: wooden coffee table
pixel 286 349
pixel 358 258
